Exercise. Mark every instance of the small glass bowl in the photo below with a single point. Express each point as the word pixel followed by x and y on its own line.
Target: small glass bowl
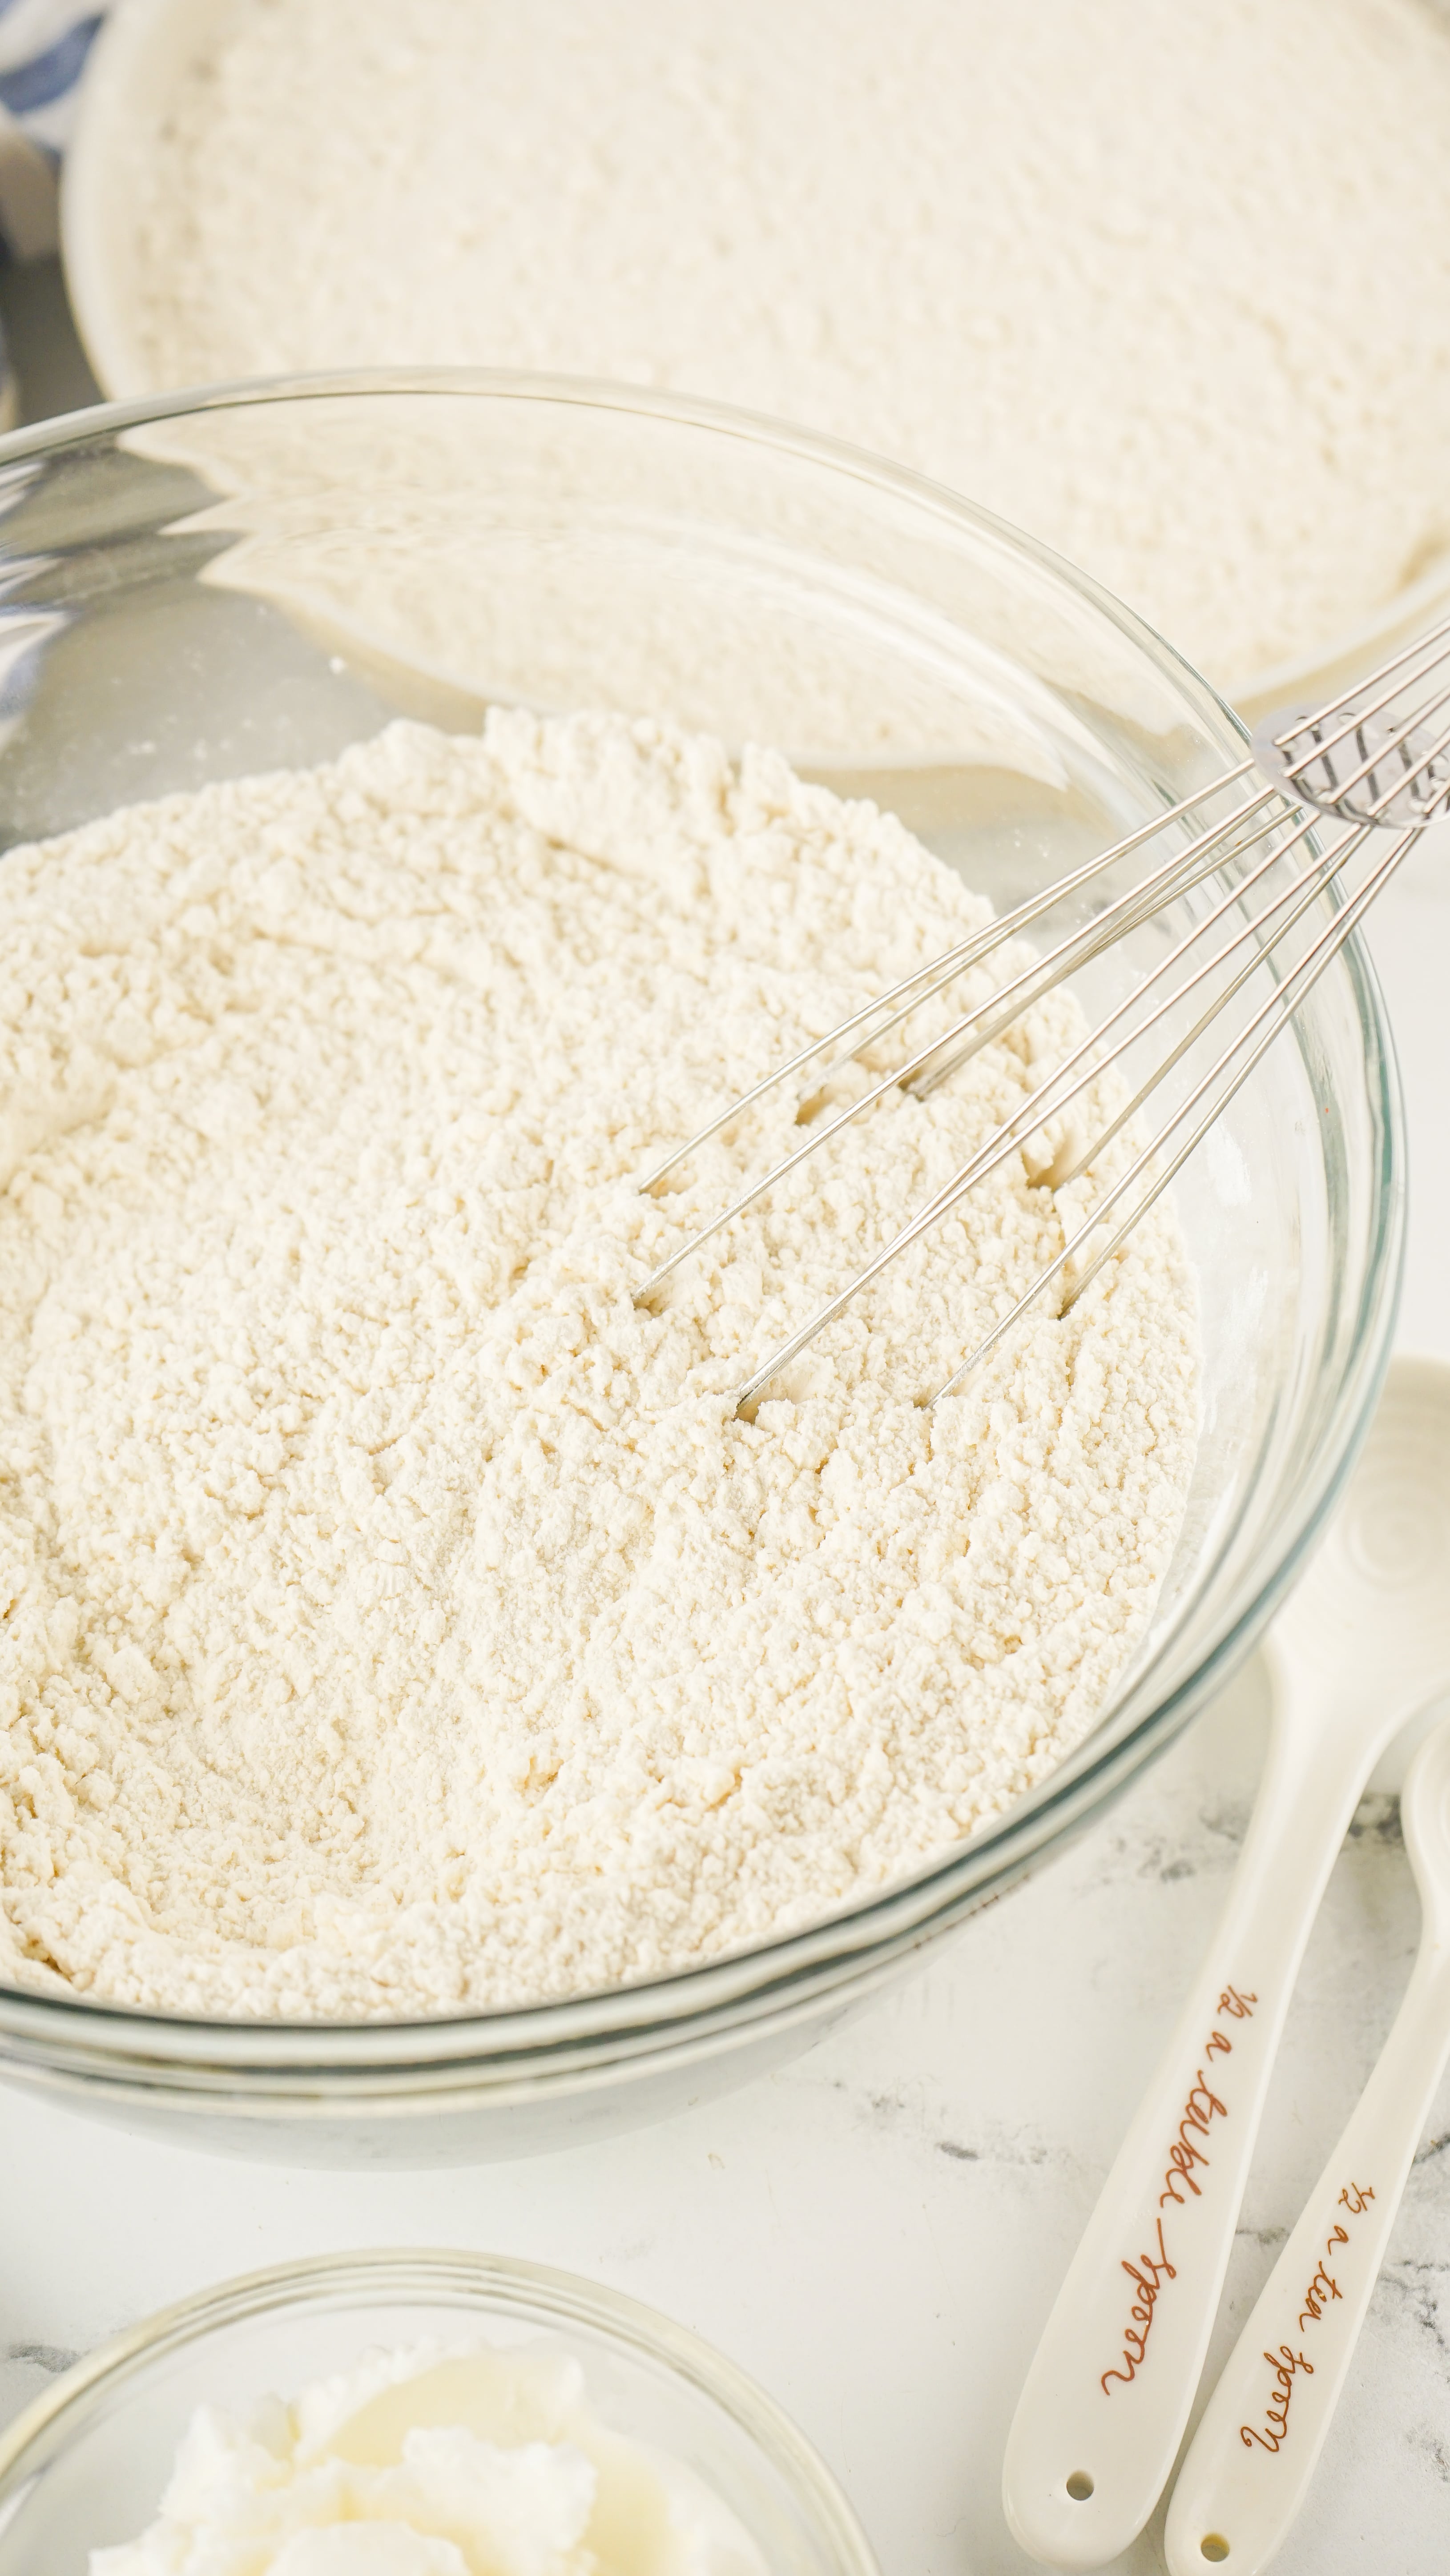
pixel 85 2466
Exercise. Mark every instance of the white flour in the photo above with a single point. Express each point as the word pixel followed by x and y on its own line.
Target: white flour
pixel 397 1616
pixel 1169 286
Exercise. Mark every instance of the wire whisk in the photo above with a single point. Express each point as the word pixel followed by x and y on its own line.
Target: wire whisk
pixel 1376 763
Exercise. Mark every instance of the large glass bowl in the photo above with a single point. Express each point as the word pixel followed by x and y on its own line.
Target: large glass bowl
pixel 84 2467
pixel 241 579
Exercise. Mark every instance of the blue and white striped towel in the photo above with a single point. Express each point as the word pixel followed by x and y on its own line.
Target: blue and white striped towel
pixel 43 49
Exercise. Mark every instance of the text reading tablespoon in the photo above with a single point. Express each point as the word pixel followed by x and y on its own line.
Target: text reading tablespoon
pixel 1364 1641
pixel 1253 2455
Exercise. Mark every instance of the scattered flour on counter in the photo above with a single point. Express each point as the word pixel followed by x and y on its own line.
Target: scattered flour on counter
pixel 397 1617
pixel 1168 286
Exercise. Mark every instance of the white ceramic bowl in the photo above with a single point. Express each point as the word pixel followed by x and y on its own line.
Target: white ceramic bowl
pixel 129 88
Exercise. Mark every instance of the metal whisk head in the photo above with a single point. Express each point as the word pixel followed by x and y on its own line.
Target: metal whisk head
pixel 1377 763
pixel 1379 756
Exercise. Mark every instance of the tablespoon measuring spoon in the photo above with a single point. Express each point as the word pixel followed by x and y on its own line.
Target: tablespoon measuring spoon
pixel 1360 1646
pixel 1254 2453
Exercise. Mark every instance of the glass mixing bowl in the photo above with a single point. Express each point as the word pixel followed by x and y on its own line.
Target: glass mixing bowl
pixel 243 579
pixel 85 2466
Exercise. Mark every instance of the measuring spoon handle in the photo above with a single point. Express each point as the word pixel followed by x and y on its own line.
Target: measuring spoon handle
pixel 1108 2395
pixel 1253 2455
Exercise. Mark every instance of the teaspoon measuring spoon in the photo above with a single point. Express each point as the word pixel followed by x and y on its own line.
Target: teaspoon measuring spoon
pixel 1254 2453
pixel 1358 1649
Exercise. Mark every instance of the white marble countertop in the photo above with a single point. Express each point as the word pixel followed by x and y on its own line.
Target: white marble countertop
pixel 878 2232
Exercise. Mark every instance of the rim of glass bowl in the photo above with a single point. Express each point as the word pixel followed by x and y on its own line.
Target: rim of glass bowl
pixel 533 2292
pixel 784 1973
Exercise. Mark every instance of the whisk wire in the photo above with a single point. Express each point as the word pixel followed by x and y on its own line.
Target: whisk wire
pixel 951 963
pixel 1396 779
pixel 1312 883
pixel 1006 1005
pixel 1008 1137
pixel 1426 761
pixel 1044 974
pixel 1362 706
pixel 1375 739
pixel 1277 1011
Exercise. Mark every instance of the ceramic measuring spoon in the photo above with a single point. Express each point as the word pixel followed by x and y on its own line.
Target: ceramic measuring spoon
pixel 1253 2455
pixel 1359 1648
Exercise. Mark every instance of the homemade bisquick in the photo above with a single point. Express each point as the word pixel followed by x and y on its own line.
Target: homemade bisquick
pixel 398 1616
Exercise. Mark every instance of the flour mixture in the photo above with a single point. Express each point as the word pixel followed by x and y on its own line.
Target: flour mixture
pixel 1168 286
pixel 398 1617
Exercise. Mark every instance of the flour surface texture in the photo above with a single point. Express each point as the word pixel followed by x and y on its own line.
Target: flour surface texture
pixel 397 1616
pixel 1168 286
